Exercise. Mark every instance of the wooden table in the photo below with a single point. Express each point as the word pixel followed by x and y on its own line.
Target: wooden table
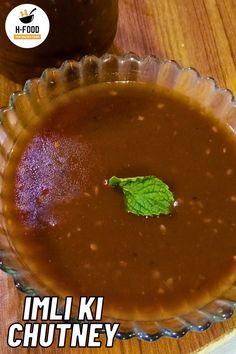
pixel 198 33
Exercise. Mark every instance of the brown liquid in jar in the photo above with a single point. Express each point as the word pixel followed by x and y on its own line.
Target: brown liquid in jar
pixel 74 232
pixel 76 28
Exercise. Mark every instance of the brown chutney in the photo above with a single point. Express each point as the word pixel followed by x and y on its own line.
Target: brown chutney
pixel 73 231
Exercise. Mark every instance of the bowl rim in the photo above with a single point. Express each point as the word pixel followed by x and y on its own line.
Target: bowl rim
pixel 169 74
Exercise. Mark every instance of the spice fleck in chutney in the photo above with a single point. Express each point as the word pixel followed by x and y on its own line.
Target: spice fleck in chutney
pixel 72 228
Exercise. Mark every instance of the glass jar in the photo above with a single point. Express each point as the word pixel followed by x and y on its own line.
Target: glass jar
pixel 77 27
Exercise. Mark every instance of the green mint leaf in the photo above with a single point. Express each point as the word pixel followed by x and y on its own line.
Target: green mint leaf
pixel 146 196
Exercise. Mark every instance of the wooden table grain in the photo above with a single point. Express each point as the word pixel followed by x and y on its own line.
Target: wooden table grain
pixel 197 33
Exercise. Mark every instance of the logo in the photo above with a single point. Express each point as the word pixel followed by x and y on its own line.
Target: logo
pixel 27 26
pixel 25 18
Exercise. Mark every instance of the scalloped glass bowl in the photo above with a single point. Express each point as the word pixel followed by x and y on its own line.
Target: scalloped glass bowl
pixel 38 93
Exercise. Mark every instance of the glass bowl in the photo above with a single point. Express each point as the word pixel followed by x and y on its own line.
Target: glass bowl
pixel 38 93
